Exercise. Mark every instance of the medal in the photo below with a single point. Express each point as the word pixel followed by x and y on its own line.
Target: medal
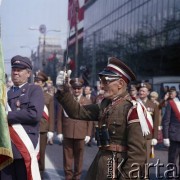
pixel 18 104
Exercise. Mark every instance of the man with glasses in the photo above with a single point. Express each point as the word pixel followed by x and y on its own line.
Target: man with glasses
pixel 122 125
pixel 74 134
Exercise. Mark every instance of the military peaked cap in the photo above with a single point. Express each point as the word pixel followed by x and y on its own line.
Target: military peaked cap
pixel 117 68
pixel 41 76
pixel 76 82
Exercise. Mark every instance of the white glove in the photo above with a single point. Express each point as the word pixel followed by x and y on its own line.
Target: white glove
pixel 60 137
pixel 87 139
pixel 50 135
pixel 166 142
pixel 60 80
pixel 154 142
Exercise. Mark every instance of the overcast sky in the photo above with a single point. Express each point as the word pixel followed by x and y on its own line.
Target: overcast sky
pixel 18 15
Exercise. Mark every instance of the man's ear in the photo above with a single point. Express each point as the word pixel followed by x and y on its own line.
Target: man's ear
pixel 121 83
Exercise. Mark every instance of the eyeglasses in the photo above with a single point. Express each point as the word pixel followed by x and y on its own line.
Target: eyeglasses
pixel 107 80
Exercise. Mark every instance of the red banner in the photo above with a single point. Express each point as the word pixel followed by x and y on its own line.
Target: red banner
pixel 75 6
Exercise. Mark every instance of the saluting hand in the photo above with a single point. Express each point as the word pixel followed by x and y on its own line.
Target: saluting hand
pixel 63 77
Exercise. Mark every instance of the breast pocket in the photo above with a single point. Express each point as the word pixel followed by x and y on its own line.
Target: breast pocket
pixel 115 126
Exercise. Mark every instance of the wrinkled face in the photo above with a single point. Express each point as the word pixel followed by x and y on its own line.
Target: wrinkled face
pixel 111 88
pixel 77 91
pixel 143 93
pixel 20 76
pixel 87 90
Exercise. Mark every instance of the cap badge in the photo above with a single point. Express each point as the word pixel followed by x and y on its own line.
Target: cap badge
pixel 18 62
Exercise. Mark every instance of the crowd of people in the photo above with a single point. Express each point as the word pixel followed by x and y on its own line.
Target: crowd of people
pixel 122 117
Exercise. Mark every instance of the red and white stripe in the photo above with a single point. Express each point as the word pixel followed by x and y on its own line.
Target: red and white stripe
pixel 175 105
pixel 138 113
pixel 118 70
pixel 46 113
pixel 23 143
pixel 72 12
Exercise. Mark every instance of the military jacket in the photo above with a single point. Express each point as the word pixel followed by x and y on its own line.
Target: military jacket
pixel 71 128
pixel 27 107
pixel 48 125
pixel 153 109
pixel 121 131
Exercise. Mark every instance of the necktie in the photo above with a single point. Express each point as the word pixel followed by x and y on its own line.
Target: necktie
pixel 16 88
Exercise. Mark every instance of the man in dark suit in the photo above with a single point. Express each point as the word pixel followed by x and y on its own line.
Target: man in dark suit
pixel 25 110
pixel 74 134
pixel 47 121
pixel 171 129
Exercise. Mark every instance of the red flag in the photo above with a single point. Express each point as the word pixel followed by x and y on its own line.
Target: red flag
pixel 71 64
pixel 52 57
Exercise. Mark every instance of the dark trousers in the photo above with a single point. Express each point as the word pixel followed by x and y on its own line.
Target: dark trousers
pixel 174 155
pixel 43 142
pixel 15 171
pixel 73 150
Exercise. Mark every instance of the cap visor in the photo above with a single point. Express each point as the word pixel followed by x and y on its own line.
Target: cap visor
pixel 107 72
pixel 19 66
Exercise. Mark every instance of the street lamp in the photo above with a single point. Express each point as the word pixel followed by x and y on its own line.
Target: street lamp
pixel 24 46
pixel 42 29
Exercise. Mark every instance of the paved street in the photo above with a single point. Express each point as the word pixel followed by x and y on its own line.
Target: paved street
pixel 54 161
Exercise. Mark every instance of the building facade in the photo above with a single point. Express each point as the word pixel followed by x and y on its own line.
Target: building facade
pixel 144 33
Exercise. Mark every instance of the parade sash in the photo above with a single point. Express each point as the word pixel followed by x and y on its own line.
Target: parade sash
pixel 144 117
pixel 45 113
pixel 23 143
pixel 175 105
pixel 25 146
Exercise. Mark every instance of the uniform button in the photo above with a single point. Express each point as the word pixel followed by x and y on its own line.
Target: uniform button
pixel 114 122
pixel 114 132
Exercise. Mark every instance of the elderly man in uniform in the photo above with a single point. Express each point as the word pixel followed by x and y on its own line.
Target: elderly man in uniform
pixel 25 109
pixel 74 134
pixel 171 131
pixel 47 121
pixel 153 112
pixel 121 131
